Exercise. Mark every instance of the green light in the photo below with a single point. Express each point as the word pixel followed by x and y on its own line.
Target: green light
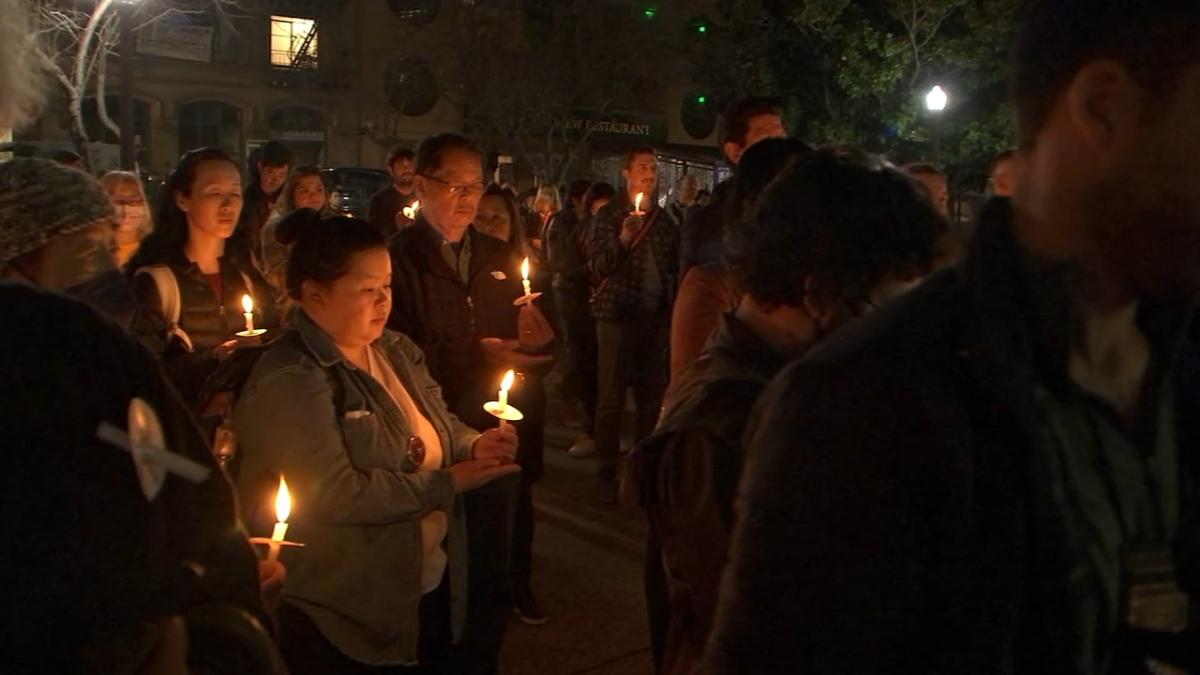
pixel 702 99
pixel 702 28
pixel 649 12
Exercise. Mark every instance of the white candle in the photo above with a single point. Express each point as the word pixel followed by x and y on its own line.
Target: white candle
pixel 248 312
pixel 283 509
pixel 505 385
pixel 637 203
pixel 525 276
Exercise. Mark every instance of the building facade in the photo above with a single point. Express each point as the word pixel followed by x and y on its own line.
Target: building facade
pixel 340 82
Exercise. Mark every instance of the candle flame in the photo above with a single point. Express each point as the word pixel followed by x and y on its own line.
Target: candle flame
pixel 507 383
pixel 283 502
pixel 637 202
pixel 525 269
pixel 410 212
pixel 247 304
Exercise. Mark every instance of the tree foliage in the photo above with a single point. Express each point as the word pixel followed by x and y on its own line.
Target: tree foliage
pixel 856 71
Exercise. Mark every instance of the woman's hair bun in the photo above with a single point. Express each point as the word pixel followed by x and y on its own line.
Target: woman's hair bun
pixel 296 225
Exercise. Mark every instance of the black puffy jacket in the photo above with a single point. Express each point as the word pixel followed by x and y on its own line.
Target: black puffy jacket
pixel 207 320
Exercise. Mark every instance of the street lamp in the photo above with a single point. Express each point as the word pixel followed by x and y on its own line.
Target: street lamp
pixel 125 19
pixel 936 99
pixel 935 103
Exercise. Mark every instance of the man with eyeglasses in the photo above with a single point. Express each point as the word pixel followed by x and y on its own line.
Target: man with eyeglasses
pixel 452 293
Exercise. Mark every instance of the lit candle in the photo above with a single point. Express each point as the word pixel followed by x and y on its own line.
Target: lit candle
pixel 525 276
pixel 500 409
pixel 505 385
pixel 248 312
pixel 410 212
pixel 283 509
pixel 637 203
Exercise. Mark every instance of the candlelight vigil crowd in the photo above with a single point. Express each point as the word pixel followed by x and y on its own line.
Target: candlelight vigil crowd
pixel 866 438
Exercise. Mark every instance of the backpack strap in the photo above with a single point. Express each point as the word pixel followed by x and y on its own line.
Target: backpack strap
pixel 170 299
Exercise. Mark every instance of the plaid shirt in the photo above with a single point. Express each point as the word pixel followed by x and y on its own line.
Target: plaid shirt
pixel 621 296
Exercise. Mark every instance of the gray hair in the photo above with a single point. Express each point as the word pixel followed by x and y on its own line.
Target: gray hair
pixel 21 81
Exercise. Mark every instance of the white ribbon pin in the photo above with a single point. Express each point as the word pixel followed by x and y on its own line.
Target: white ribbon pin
pixel 146 444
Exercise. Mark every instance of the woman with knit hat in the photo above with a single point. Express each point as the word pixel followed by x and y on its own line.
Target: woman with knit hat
pixel 56 227
pixel 190 274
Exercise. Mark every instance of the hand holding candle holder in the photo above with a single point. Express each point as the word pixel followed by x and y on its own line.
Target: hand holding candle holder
pixel 283 509
pixel 528 297
pixel 500 409
pixel 248 312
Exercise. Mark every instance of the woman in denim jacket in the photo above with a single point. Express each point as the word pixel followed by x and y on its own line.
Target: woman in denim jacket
pixel 347 413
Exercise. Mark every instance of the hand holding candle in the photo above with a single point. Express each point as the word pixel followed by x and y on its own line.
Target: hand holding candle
pixel 499 444
pixel 248 312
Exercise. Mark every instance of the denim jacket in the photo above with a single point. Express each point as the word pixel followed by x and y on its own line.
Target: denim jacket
pixel 341 442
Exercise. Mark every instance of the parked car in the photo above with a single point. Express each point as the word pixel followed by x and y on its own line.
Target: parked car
pixel 350 188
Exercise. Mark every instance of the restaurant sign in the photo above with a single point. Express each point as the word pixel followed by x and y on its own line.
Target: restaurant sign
pixel 619 125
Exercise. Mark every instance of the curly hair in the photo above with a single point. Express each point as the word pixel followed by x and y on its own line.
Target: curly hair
pixel 836 224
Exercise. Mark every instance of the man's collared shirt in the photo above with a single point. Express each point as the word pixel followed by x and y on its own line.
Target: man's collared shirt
pixel 458 256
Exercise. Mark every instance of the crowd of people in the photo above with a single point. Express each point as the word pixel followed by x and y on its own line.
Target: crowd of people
pixel 865 438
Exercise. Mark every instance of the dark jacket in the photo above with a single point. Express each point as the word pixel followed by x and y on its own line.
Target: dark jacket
pixel 447 318
pixel 341 442
pixel 704 230
pixel 617 272
pixel 689 470
pixel 208 321
pixel 563 243
pixel 256 211
pixel 706 293
pixel 65 369
pixel 902 510
pixel 385 204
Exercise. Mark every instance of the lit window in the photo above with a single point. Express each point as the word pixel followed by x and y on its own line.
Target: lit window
pixel 293 42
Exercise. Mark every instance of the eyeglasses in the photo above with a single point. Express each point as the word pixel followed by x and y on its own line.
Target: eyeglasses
pixel 458 189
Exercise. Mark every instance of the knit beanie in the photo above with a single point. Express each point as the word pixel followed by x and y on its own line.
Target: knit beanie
pixel 41 200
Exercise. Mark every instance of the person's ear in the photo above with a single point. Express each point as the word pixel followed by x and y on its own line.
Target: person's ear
pixel 312 292
pixel 733 151
pixel 816 304
pixel 625 174
pixel 1105 106
pixel 182 201
pixel 419 187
